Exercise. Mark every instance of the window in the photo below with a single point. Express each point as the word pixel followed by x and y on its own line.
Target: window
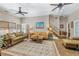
pixel 12 27
pixel 3 27
pixel 77 29
pixel 1 31
pixel 18 27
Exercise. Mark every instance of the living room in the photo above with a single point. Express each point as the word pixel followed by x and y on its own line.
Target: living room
pixel 23 30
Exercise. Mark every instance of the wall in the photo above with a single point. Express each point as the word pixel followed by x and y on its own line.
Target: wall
pixel 31 21
pixel 63 21
pixel 54 22
pixel 5 16
pixel 73 17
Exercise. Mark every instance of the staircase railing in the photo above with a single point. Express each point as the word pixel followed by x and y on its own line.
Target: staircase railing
pixel 56 30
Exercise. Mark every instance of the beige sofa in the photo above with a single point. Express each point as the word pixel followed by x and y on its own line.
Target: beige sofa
pixel 71 43
pixel 44 35
pixel 39 36
pixel 18 38
pixel 12 38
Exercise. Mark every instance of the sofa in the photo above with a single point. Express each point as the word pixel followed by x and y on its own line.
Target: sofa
pixel 10 39
pixel 34 37
pixel 39 36
pixel 6 41
pixel 44 35
pixel 71 43
pixel 17 37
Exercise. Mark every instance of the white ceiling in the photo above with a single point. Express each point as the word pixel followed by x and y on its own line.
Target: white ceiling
pixel 38 9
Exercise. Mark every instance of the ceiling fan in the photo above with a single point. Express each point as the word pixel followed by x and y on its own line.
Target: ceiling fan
pixel 60 5
pixel 20 12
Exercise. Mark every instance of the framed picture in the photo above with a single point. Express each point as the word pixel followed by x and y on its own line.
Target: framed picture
pixel 39 25
pixel 18 27
pixel 61 26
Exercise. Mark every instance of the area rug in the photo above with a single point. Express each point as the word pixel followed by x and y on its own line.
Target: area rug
pixel 30 48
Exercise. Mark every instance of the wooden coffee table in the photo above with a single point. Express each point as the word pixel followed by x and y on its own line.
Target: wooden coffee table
pixel 37 38
pixel 40 39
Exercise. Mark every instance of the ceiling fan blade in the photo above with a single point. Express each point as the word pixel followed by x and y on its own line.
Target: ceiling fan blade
pixel 22 14
pixel 17 13
pixel 25 12
pixel 54 4
pixel 54 8
pixel 19 8
pixel 67 3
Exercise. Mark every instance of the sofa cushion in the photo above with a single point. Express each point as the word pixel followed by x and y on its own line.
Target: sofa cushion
pixel 18 34
pixel 17 38
pixel 70 41
pixel 12 36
